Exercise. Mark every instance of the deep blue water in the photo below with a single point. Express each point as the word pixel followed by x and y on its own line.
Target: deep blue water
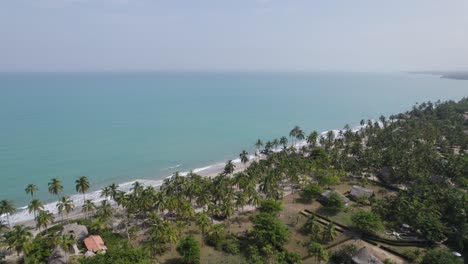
pixel 123 126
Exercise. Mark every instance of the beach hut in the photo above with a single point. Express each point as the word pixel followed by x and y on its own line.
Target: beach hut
pixel 324 196
pixel 95 244
pixel 364 256
pixel 357 192
pixel 79 232
pixel 57 257
pixel 385 175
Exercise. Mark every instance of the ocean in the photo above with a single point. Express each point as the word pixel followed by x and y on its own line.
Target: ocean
pixel 119 127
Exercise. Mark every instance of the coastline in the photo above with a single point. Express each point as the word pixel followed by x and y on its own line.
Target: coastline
pixel 23 217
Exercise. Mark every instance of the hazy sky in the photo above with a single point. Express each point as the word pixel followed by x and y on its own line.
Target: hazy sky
pixel 269 35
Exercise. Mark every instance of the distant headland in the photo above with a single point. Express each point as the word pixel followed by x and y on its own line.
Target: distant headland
pixel 458 75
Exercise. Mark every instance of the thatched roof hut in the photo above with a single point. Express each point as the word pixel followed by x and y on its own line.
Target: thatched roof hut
pixel 364 256
pixel 324 196
pixel 57 257
pixel 359 192
pixel 385 174
pixel 80 232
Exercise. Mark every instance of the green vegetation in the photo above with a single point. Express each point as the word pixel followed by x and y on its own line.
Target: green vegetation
pixel 367 222
pixel 189 249
pixel 416 162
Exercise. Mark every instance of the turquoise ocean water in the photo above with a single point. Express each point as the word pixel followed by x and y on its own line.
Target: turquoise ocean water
pixel 118 127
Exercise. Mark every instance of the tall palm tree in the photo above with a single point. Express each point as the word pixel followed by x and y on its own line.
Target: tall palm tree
pixel 329 233
pixel 17 238
pixel 106 192
pixel 55 186
pixel 35 206
pixel 312 226
pixel 293 133
pixel 66 242
pixel 7 208
pixel 31 189
pixel 88 207
pixel 113 188
pixel 275 143
pixel 203 222
pixel 258 145
pixel 229 168
pixel 284 142
pixel 65 204
pixel 82 185
pixel 105 210
pixel 312 139
pixel 44 219
pixel 244 157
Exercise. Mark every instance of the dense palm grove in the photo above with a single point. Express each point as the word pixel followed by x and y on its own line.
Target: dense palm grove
pixel 420 153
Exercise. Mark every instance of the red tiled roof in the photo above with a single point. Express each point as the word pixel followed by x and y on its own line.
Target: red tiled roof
pixel 94 243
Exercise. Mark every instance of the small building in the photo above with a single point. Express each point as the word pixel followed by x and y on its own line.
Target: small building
pixel 95 244
pixel 385 175
pixel 357 192
pixel 79 232
pixel 324 196
pixel 364 256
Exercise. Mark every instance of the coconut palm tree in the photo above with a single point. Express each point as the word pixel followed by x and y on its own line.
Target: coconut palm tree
pixel 88 207
pixel 244 157
pixel 312 139
pixel 65 204
pixel 316 250
pixel 258 145
pixel 55 186
pixel 106 192
pixel 113 188
pixel 293 133
pixel 7 208
pixel 312 226
pixel 17 238
pixel 229 168
pixel 31 189
pixel 66 242
pixel 105 210
pixel 329 233
pixel 284 142
pixel 275 143
pixel 35 206
pixel 44 219
pixel 82 185
pixel 203 222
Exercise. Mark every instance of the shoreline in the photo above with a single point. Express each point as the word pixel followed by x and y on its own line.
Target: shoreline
pixel 23 217
pixel 208 171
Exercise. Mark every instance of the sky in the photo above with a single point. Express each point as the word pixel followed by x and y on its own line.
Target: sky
pixel 233 35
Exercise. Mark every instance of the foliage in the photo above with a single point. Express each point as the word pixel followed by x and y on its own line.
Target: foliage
pixel 270 206
pixel 367 222
pixel 189 249
pixel 440 256
pixel 316 250
pixel 334 203
pixel 344 255
pixel 310 192
pixel 123 255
